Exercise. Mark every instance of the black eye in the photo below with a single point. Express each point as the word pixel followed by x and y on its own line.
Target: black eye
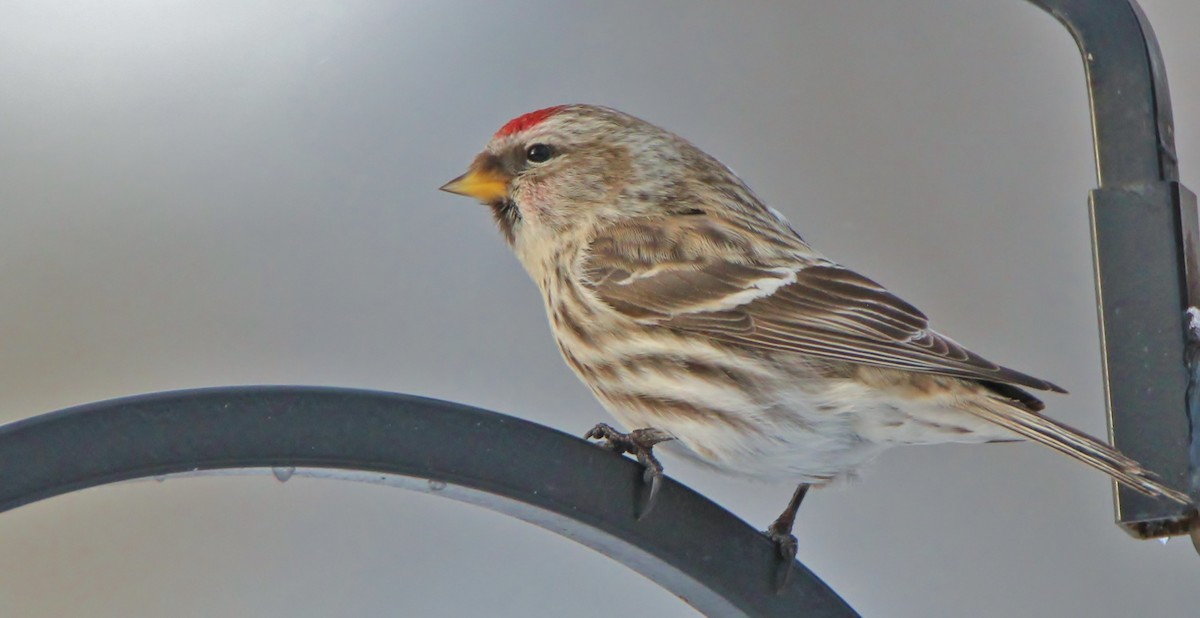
pixel 539 153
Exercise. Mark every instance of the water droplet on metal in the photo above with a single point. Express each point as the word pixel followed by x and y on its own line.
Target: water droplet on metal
pixel 283 474
pixel 1164 540
pixel 436 485
pixel 160 477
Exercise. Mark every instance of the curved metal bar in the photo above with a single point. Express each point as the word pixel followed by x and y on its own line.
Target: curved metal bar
pixel 1145 243
pixel 1127 86
pixel 687 544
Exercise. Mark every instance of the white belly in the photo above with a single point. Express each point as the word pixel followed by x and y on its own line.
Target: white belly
pixel 789 426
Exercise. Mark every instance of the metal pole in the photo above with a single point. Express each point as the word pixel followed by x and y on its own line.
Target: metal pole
pixel 687 544
pixel 1144 235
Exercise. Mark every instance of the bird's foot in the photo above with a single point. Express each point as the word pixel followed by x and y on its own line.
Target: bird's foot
pixel 780 533
pixel 639 442
pixel 785 544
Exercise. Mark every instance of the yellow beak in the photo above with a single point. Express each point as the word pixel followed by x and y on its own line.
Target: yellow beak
pixel 487 186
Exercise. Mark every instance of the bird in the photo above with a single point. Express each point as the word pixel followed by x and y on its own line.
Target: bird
pixel 700 318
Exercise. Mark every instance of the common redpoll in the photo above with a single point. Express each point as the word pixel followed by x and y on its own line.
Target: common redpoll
pixel 696 314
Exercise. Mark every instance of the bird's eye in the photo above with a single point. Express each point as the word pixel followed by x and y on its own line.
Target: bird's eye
pixel 539 153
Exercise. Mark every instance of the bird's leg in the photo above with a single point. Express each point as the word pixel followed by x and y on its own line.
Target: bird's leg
pixel 780 532
pixel 639 442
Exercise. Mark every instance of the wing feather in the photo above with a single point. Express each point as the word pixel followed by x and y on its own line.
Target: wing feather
pixel 787 302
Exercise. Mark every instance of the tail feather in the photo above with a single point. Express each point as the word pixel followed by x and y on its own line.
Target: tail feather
pixel 1079 446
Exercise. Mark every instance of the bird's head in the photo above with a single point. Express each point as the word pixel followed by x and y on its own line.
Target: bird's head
pixel 571 168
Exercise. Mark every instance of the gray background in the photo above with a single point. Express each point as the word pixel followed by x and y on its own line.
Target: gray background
pixel 205 193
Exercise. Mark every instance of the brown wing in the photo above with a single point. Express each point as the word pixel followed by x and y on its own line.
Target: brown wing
pixel 785 302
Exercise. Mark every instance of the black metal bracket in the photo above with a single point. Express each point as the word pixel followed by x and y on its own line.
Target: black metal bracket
pixel 1144 240
pixel 687 544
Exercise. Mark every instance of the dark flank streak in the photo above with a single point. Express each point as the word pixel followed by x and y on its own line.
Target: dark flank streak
pixel 711 372
pixel 570 358
pixel 566 319
pixel 578 302
pixel 669 408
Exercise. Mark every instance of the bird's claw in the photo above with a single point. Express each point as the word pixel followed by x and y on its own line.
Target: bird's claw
pixel 639 442
pixel 651 478
pixel 785 544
